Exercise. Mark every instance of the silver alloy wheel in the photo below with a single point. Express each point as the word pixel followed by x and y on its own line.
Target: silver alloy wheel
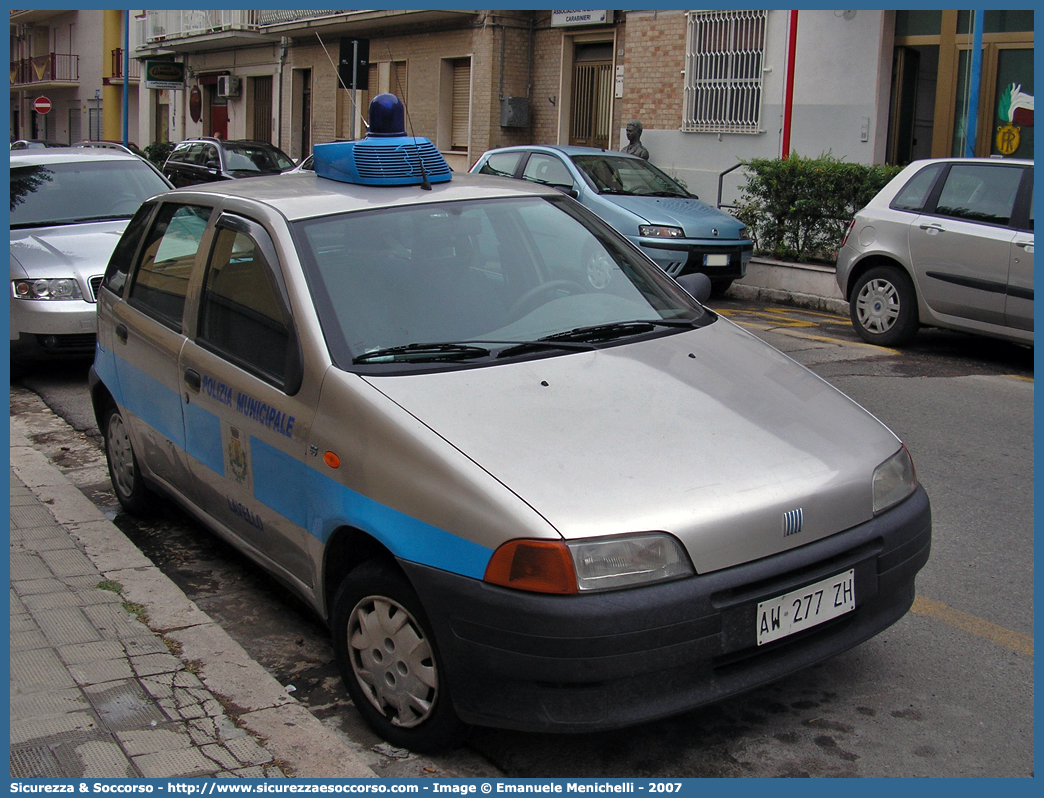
pixel 877 306
pixel 121 455
pixel 392 661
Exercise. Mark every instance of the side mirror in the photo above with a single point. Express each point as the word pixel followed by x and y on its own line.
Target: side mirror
pixel 572 192
pixel 697 284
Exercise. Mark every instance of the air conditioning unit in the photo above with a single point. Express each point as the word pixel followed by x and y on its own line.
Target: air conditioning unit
pixel 228 86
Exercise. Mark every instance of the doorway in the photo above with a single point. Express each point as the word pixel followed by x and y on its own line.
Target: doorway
pixel 592 95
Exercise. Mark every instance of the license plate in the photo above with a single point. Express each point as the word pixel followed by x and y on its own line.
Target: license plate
pixel 715 260
pixel 802 609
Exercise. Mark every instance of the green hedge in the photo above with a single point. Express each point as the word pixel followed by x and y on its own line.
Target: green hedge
pixel 798 209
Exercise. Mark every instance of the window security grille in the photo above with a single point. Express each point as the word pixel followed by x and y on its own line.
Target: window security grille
pixel 724 57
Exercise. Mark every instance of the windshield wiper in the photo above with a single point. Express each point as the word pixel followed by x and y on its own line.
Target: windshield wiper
pixel 618 329
pixel 433 352
pixel 521 347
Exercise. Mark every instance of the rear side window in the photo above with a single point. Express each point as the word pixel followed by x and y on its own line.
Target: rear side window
pixel 120 261
pixel 980 193
pixel 242 315
pixel 501 163
pixel 914 195
pixel 162 278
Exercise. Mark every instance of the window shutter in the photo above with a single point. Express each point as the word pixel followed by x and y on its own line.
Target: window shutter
pixel 461 104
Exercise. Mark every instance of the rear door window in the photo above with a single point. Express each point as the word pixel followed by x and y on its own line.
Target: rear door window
pixel 980 192
pixel 501 163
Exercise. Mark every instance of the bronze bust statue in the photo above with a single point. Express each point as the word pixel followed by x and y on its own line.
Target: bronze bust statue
pixel 634 140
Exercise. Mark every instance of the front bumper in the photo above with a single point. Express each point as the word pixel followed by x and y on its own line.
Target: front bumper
pixel 725 260
pixel 52 329
pixel 533 662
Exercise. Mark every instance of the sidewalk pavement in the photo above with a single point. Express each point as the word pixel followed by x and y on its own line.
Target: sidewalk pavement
pixel 116 674
pixel 804 285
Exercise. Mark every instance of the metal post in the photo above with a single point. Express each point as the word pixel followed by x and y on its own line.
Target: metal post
pixel 355 92
pixel 972 123
pixel 126 73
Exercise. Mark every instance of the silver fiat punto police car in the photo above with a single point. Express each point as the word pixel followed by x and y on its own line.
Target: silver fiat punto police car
pixel 526 478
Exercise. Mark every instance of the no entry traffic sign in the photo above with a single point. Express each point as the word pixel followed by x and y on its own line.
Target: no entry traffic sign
pixel 41 105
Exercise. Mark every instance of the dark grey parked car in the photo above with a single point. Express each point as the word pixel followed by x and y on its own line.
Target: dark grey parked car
pixel 207 160
pixel 947 243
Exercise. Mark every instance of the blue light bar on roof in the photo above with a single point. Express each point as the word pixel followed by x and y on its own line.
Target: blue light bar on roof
pixel 386 157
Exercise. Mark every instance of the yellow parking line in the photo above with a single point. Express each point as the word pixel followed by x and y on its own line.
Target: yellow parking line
pixel 1018 377
pixel 1019 643
pixel 794 333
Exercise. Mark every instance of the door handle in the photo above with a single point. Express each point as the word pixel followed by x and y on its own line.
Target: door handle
pixel 192 380
pixel 933 228
pixel 1024 244
pixel 121 333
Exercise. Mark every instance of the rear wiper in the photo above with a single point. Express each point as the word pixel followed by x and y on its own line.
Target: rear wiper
pixel 618 329
pixel 422 352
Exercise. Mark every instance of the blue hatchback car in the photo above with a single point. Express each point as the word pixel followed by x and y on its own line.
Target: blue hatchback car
pixel 655 212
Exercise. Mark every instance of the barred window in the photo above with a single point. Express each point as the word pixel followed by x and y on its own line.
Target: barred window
pixel 724 57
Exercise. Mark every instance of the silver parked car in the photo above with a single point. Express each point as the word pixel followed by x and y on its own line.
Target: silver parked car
pixel 656 213
pixel 947 243
pixel 527 479
pixel 68 209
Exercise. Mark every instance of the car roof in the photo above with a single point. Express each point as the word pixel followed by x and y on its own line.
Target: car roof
pixel 564 149
pixel 306 195
pixel 1016 161
pixel 69 155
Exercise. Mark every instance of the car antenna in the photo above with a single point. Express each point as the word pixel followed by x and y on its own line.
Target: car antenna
pixel 425 185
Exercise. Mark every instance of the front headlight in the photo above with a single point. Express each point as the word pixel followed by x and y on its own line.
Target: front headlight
pixel 894 480
pixel 52 288
pixel 660 231
pixel 555 566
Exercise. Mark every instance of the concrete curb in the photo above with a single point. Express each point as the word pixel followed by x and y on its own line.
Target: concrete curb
pixel 289 731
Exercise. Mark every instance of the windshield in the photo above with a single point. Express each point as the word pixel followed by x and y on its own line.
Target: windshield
pixel 255 159
pixel 64 193
pixel 492 274
pixel 613 174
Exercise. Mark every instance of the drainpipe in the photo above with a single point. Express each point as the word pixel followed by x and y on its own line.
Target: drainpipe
pixel 788 99
pixel 972 123
pixel 283 41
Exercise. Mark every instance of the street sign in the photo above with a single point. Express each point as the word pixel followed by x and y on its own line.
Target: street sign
pixel 41 105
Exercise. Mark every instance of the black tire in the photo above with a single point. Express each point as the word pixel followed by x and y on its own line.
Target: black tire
pixel 390 662
pixel 883 307
pixel 720 285
pixel 127 481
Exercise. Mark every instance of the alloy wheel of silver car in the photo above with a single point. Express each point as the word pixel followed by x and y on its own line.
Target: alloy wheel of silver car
pixel 392 661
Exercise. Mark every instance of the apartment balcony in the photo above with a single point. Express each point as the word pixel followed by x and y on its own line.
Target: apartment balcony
pixel 193 31
pixel 133 68
pixel 35 15
pixel 343 23
pixel 51 71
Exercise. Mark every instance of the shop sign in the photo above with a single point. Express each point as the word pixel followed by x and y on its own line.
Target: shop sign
pixel 169 75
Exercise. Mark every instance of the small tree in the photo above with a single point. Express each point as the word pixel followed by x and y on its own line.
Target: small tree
pixel 158 151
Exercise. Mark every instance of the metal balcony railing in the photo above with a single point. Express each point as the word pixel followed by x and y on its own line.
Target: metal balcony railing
pixel 45 69
pixel 165 25
pixel 134 66
pixel 273 17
